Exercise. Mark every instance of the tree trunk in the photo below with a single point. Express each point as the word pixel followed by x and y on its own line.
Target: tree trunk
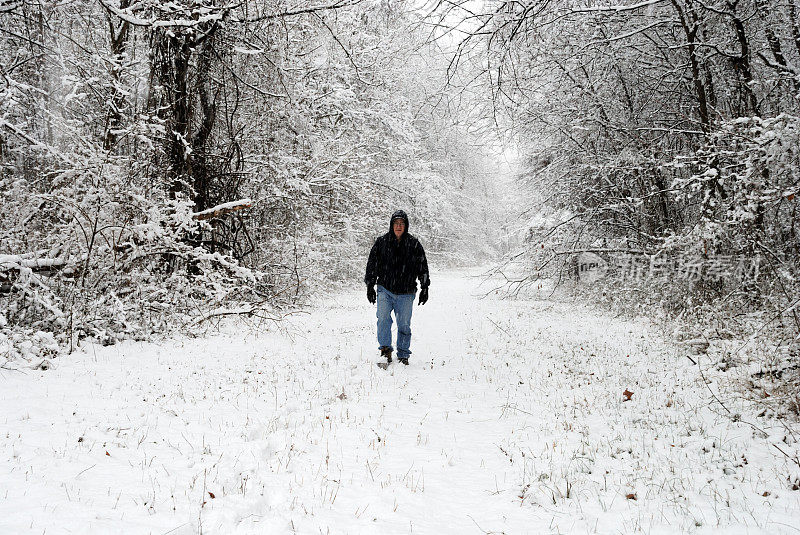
pixel 119 40
pixel 208 111
pixel 690 29
pixel 741 64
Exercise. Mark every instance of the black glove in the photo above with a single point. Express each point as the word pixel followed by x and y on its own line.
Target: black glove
pixel 371 296
pixel 423 296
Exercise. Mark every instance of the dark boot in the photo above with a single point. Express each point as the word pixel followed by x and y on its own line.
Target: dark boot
pixel 387 353
pixel 403 360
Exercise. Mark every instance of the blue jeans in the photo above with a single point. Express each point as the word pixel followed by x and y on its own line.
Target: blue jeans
pixel 402 305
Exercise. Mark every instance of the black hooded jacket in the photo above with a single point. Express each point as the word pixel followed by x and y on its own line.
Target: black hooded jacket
pixel 396 265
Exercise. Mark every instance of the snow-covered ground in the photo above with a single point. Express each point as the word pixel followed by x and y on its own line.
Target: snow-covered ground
pixel 510 419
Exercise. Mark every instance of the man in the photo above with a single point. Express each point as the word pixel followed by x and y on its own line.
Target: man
pixel 396 261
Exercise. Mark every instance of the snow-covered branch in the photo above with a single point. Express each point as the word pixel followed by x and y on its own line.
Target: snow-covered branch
pixel 223 209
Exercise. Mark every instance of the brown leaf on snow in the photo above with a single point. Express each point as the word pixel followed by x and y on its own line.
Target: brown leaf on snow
pixel 211 494
pixel 108 454
pixel 627 394
pixel 631 496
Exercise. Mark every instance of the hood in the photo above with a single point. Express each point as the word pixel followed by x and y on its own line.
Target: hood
pixel 399 214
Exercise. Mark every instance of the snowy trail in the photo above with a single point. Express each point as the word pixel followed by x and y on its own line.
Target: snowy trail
pixel 510 419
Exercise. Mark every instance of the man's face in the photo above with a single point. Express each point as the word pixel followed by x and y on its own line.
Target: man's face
pixel 398 226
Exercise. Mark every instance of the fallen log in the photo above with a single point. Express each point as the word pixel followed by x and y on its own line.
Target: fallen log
pixel 36 265
pixel 11 266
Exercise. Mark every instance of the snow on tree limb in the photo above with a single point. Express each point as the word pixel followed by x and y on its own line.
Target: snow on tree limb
pixel 332 6
pixel 222 209
pixel 617 8
pixel 219 13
